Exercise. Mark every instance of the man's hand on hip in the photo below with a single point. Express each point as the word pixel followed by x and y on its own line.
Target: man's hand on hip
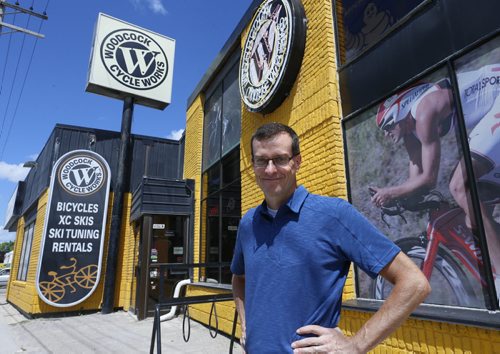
pixel 327 340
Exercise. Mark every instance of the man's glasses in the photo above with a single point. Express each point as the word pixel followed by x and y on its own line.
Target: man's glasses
pixel 281 161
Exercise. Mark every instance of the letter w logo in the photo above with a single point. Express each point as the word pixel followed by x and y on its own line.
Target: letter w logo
pixel 83 175
pixel 138 58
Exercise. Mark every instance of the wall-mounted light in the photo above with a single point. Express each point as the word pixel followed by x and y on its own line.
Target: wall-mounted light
pixel 30 164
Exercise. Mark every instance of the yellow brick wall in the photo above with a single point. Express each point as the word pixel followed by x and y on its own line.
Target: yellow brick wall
pixel 127 258
pixel 16 289
pixel 192 168
pixel 417 336
pixel 130 258
pixel 313 110
pixel 224 310
pixel 23 294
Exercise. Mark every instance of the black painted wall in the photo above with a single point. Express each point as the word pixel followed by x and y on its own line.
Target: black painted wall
pixel 440 29
pixel 151 157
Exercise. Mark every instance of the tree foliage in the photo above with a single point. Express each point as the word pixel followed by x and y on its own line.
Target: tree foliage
pixel 6 246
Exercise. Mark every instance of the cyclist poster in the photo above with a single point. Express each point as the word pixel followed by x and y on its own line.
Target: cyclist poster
pixel 478 77
pixel 74 230
pixel 401 155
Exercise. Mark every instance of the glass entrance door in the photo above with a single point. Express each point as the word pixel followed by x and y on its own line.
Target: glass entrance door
pixel 168 247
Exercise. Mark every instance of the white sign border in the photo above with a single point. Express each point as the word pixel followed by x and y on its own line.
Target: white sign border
pixel 53 177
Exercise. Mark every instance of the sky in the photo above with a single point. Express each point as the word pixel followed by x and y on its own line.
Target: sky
pixel 42 81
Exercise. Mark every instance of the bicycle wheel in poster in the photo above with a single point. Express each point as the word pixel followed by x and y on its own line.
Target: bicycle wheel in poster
pixel 52 291
pixel 449 281
pixel 87 276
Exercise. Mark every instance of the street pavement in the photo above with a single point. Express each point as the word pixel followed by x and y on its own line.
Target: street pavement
pixel 118 332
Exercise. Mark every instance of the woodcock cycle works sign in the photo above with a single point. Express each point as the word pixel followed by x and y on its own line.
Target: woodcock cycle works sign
pixel 128 60
pixel 72 242
pixel 272 54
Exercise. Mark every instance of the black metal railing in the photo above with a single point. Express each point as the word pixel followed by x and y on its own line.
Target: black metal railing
pixel 156 335
pixel 163 304
pixel 164 272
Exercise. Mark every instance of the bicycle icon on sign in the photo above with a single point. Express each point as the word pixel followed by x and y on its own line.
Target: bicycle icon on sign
pixel 55 289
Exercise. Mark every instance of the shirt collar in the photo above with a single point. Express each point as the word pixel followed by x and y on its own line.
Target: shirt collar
pixel 294 203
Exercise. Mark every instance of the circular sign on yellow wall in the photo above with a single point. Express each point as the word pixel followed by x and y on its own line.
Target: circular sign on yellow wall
pixel 272 54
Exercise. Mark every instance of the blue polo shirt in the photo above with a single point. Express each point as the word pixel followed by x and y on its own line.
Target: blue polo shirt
pixel 296 264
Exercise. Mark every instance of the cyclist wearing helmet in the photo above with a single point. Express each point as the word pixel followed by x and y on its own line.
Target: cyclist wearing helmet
pixel 422 114
pixel 418 116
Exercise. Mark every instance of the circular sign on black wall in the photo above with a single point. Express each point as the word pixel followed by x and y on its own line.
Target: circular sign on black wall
pixel 272 54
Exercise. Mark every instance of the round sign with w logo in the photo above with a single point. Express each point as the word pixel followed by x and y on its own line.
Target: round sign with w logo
pixel 69 267
pixel 130 61
pixel 134 59
pixel 81 174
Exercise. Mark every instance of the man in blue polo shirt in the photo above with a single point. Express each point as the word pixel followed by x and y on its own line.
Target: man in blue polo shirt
pixel 292 256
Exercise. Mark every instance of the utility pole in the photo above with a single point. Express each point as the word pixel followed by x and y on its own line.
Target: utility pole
pixel 18 9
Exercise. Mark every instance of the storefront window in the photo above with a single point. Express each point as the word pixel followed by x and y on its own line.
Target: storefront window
pixel 222 125
pixel 221 204
pixel 223 213
pixel 213 218
pixel 212 128
pixel 404 163
pixel 231 111
pixel 213 180
pixel 362 23
pixel 231 215
pixel 24 260
pixel 478 78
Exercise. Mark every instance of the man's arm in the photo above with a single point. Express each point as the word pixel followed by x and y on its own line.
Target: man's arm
pixel 239 300
pixel 424 152
pixel 410 289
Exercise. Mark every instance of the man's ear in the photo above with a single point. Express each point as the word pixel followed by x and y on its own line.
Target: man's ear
pixel 298 160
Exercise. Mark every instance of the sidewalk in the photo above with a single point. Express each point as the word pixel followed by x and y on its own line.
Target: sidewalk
pixel 118 332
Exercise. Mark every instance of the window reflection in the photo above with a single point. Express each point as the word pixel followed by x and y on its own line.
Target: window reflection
pixel 362 23
pixel 478 77
pixel 385 150
pixel 221 204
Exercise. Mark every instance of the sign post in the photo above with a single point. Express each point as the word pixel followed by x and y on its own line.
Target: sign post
pixel 136 65
pixel 116 214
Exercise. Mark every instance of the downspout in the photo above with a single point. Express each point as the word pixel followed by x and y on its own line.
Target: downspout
pixel 171 314
pixel 177 290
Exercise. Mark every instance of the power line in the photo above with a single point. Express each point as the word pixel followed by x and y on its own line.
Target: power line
pixel 6 57
pixel 14 80
pixel 23 84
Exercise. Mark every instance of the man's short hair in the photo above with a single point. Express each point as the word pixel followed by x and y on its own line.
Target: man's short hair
pixel 270 130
